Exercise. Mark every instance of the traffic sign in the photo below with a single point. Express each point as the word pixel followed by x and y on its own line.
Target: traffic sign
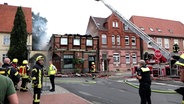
pixel 158 54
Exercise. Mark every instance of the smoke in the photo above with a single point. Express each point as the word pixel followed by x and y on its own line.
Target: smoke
pixel 40 38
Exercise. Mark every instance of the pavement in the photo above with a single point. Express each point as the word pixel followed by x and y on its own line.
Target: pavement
pixel 63 96
pixel 60 96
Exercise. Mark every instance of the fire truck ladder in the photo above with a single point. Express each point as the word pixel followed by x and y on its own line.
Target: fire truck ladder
pixel 139 32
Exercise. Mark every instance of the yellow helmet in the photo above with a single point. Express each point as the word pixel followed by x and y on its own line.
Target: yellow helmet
pixel 15 60
pixel 25 62
pixel 39 58
pixel 92 63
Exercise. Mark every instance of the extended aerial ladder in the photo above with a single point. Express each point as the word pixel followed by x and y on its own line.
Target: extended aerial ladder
pixel 139 32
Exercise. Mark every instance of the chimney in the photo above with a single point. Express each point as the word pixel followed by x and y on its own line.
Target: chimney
pixel 5 3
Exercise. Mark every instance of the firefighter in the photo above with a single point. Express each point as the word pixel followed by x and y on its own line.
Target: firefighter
pixel 180 62
pixel 15 63
pixel 11 72
pixel 52 72
pixel 144 76
pixel 37 79
pixel 93 70
pixel 25 74
pixel 176 48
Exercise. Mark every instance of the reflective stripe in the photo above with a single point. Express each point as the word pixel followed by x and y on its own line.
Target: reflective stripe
pixel 8 72
pixel 34 70
pixel 16 73
pixel 183 102
pixel 2 72
pixel 34 78
pixel 36 98
pixel 40 79
pixel 145 69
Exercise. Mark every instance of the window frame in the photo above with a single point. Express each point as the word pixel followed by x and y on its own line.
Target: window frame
pixel 65 41
pixel 176 41
pixel 166 43
pixel 134 58
pixel 104 39
pixel 76 42
pixel 88 41
pixel 118 40
pixel 127 55
pixel 128 40
pixel 159 41
pixel 133 38
pixel 6 40
pixel 116 58
pixel 70 56
pixel 113 39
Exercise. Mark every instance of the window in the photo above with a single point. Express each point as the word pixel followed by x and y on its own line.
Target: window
pixel 4 56
pixel 116 58
pixel 134 58
pixel 89 42
pixel 151 29
pixel 127 58
pixel 175 41
pixel 6 40
pixel 159 30
pixel 104 39
pixel 166 43
pixel 76 41
pixel 142 28
pixel 64 41
pixel 118 40
pixel 68 61
pixel 159 41
pixel 125 27
pixel 115 24
pixel 113 40
pixel 126 40
pixel 133 40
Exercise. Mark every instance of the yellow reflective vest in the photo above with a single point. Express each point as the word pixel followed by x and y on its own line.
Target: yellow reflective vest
pixel 52 70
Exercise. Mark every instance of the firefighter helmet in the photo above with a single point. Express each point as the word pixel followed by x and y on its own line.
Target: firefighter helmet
pixel 25 62
pixel 15 60
pixel 92 63
pixel 180 61
pixel 39 58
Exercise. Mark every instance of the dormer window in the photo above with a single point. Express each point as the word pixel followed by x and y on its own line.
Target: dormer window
pixel 151 29
pixel 142 28
pixel 170 31
pixel 159 30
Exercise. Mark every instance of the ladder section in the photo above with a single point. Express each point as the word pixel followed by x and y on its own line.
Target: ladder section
pixel 139 32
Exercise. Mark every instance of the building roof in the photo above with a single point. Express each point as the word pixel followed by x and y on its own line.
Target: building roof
pixel 160 27
pixel 99 22
pixel 7 15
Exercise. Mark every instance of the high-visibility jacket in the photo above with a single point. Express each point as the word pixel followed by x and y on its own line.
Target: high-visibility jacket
pixel 93 68
pixel 37 76
pixel 52 70
pixel 24 71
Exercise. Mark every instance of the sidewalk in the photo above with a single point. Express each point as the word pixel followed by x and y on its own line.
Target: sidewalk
pixel 60 96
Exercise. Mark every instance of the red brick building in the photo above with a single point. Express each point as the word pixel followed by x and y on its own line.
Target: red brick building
pixel 164 32
pixel 119 48
pixel 7 15
pixel 74 52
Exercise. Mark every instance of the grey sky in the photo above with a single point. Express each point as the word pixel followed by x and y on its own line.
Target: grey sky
pixel 71 16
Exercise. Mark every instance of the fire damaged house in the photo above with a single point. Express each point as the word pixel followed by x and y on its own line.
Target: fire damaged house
pixel 73 52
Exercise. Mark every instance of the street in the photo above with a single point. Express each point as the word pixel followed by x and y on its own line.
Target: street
pixel 114 91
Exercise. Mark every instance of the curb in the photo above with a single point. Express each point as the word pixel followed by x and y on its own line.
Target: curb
pixel 156 91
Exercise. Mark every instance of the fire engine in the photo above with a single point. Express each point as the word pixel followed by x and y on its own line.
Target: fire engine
pixel 161 62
